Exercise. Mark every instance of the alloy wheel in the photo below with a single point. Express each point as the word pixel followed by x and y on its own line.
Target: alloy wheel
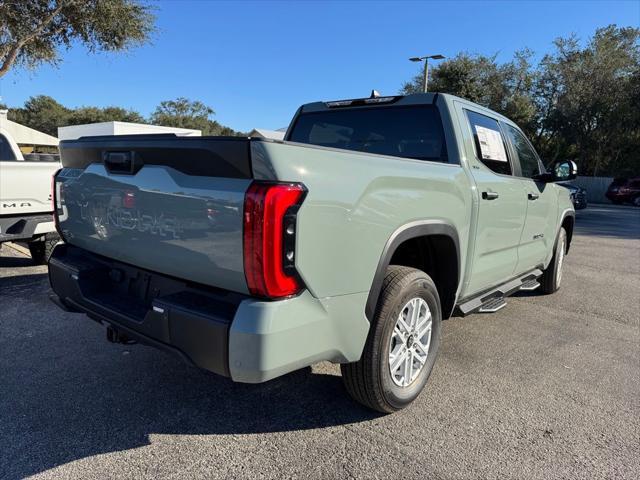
pixel 409 344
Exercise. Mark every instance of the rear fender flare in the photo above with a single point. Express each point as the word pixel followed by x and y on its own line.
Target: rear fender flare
pixel 406 232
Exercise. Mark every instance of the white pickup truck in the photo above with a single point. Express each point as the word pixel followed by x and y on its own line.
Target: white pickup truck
pixel 25 196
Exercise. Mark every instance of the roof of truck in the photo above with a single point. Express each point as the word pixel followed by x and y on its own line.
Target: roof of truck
pixel 428 98
pixel 418 98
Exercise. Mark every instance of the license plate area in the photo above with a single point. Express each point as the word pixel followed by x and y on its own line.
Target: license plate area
pixel 191 318
pixel 124 289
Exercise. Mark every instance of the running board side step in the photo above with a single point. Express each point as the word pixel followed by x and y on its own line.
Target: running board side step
pixel 493 300
pixel 530 285
pixel 493 305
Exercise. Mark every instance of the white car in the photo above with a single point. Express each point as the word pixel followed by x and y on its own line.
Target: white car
pixel 26 211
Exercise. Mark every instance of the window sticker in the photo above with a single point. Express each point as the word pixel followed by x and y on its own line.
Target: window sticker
pixel 491 145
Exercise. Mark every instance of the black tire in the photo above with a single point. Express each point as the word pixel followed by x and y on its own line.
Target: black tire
pixel 550 279
pixel 369 381
pixel 41 249
pixel 636 201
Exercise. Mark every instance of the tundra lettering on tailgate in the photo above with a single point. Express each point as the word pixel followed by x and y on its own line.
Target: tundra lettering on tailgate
pixel 130 219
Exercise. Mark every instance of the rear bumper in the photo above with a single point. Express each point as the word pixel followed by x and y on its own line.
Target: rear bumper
pixel 224 332
pixel 150 308
pixel 24 227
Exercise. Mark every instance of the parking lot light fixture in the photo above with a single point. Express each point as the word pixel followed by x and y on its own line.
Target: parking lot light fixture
pixel 426 58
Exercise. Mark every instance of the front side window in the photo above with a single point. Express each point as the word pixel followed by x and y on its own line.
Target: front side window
pixel 6 152
pixel 526 155
pixel 489 143
pixel 401 131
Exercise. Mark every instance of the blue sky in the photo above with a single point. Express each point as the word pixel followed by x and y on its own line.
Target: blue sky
pixel 256 62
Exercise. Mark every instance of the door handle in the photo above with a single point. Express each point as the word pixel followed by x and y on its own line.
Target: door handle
pixel 533 196
pixel 490 195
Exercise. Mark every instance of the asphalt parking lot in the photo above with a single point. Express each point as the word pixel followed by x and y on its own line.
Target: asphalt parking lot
pixel 548 387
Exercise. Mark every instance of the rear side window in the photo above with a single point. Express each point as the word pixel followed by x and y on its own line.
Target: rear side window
pixel 526 155
pixel 411 131
pixel 6 153
pixel 489 143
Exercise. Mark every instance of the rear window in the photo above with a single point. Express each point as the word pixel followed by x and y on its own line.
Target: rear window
pixel 411 131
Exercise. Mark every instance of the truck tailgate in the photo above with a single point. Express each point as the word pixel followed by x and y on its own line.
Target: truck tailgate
pixel 172 205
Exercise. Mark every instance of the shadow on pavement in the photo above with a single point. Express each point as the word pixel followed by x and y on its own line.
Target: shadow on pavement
pixel 66 394
pixel 15 262
pixel 20 284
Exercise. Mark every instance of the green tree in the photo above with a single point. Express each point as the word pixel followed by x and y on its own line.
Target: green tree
pixel 578 102
pixel 474 77
pixel 504 88
pixel 45 114
pixel 33 32
pixel 519 79
pixel 590 99
pixel 42 113
pixel 185 113
pixel 108 114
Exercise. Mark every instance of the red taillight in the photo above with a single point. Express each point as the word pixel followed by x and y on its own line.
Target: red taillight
pixel 269 238
pixel 53 190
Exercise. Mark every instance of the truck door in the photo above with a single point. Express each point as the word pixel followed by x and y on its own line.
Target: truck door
pixel 501 204
pixel 538 234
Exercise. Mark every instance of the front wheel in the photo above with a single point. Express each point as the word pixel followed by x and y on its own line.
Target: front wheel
pixel 552 276
pixel 402 345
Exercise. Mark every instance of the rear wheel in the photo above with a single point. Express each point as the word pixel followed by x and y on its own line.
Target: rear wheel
pixel 636 201
pixel 552 276
pixel 402 344
pixel 41 249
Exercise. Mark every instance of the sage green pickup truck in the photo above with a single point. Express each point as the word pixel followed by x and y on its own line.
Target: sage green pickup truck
pixel 350 241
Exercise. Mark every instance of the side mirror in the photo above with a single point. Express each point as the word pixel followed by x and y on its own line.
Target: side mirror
pixel 561 171
pixel 564 170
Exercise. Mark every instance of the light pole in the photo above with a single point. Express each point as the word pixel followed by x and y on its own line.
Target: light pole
pixel 426 67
